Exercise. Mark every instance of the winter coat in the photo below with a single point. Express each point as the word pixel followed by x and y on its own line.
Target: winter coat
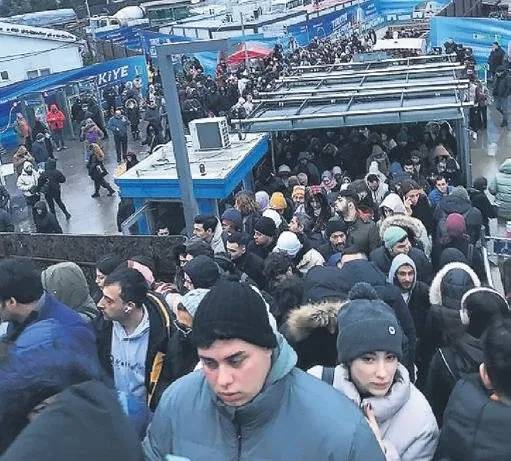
pixel 84 412
pixel 483 204
pixel 363 234
pixel 448 366
pixel 45 221
pixel 94 167
pixel 418 301
pixel 292 407
pixel 51 179
pixel 407 424
pixel 435 196
pixel 322 283
pixel 182 356
pixel 454 204
pixel 217 243
pixel 119 126
pixel 476 427
pixel 67 282
pixel 311 331
pixel 382 258
pixel 501 188
pixel 253 266
pixel 423 212
pixel 417 233
pixel 55 118
pixel 447 289
pixel 39 151
pixel 160 324
pixel 27 183
pixel 75 328
pixel 502 86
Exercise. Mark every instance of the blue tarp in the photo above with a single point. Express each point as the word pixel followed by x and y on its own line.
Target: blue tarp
pixel 476 33
pixel 107 73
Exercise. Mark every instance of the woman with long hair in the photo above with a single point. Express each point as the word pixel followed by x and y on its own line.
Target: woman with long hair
pixel 245 203
pixel 97 170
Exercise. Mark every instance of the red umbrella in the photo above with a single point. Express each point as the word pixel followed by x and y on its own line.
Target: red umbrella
pixel 253 51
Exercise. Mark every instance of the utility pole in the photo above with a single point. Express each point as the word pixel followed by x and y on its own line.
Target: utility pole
pixel 175 119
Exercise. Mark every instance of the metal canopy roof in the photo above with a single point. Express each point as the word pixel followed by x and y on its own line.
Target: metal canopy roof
pixel 405 90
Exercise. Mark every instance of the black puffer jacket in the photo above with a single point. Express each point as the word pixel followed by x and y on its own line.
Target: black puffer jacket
pixel 476 428
pixel 443 322
pixel 448 366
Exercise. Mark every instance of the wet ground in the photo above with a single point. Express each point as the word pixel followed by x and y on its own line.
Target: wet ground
pixel 89 215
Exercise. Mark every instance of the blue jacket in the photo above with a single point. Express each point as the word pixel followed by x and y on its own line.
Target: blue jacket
pixel 119 126
pixel 75 329
pixel 295 417
pixel 435 196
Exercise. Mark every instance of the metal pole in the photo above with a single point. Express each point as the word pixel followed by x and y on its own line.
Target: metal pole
pixel 88 8
pixel 244 40
pixel 175 122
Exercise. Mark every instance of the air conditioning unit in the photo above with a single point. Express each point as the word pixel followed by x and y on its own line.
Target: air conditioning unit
pixel 210 133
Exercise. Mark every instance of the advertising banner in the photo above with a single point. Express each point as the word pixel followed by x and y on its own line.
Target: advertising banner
pixel 106 73
pixel 476 33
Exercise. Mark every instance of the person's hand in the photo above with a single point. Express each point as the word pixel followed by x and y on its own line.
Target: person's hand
pixel 373 424
pixel 408 206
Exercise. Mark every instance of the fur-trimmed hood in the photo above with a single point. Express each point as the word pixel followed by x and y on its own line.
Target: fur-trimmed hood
pixel 451 283
pixel 303 321
pixel 410 224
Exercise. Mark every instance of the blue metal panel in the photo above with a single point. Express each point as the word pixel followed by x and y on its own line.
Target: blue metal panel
pixel 143 226
pixel 142 188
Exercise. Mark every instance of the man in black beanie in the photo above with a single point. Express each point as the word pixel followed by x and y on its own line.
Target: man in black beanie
pixel 248 398
pixel 265 232
pixel 200 272
pixel 336 234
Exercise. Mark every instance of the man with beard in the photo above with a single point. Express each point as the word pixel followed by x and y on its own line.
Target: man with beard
pixel 336 234
pixel 360 233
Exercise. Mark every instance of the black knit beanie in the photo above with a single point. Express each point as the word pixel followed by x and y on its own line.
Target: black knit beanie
pixel 232 310
pixel 203 271
pixel 266 226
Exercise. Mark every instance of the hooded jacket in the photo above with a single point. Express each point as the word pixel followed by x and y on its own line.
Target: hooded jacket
pixel 55 118
pixel 418 300
pixel 455 203
pixel 476 428
pixel 39 150
pixel 291 407
pixel 311 330
pixel 501 188
pixel 45 221
pixel 157 376
pixel 217 243
pixel 416 230
pixel 84 423
pixel 444 322
pixel 27 183
pixel 68 284
pixel 50 179
pixel 448 366
pixel 382 258
pixel 408 427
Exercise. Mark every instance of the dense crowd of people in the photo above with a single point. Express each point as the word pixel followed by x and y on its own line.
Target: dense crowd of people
pixel 343 306
pixel 341 311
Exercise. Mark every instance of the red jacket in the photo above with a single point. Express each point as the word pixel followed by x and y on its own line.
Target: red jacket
pixel 55 118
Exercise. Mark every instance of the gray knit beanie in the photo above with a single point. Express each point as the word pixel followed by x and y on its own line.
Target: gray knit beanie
pixel 192 299
pixel 367 324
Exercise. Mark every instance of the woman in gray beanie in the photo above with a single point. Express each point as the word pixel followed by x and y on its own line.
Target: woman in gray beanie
pixel 369 345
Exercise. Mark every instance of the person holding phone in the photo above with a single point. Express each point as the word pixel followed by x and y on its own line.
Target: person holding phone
pixel 370 347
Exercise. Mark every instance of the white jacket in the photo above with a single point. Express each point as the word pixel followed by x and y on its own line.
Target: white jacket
pixel 27 181
pixel 407 424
